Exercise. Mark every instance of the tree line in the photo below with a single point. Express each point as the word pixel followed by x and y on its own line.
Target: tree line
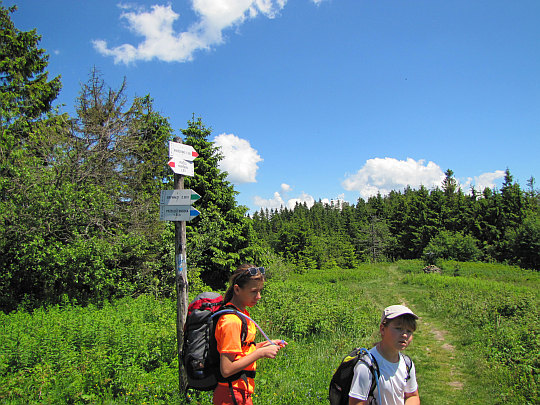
pixel 442 223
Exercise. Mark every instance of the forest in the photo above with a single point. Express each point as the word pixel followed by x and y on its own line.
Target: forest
pixel 443 223
pixel 79 199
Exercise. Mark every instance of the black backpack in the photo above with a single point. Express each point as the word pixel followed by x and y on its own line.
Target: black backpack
pixel 199 350
pixel 340 385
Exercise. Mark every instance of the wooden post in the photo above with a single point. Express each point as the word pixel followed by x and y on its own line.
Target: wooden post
pixel 181 282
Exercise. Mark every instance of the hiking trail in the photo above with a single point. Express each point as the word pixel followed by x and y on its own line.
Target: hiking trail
pixel 432 345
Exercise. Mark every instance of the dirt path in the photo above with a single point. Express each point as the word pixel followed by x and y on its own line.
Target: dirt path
pixel 440 336
pixel 440 378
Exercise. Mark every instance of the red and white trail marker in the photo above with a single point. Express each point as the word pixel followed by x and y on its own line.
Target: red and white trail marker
pixel 181 151
pixel 180 166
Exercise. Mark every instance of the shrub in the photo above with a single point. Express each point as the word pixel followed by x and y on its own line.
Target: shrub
pixel 452 246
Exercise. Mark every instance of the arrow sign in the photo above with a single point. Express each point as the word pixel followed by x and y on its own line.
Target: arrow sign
pixel 178 197
pixel 177 213
pixel 181 151
pixel 180 166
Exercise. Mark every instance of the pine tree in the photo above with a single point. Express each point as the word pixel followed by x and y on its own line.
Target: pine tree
pixel 28 129
pixel 512 202
pixel 25 92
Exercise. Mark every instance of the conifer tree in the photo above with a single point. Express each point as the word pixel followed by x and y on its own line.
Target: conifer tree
pixel 25 91
pixel 512 202
pixel 27 134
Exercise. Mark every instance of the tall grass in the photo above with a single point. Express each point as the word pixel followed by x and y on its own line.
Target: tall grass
pixel 323 314
pixel 62 355
pixel 498 320
pixel 125 352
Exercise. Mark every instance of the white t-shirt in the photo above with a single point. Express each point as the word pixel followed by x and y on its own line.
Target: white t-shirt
pixel 392 382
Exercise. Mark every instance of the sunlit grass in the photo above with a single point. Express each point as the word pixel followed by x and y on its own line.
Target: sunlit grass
pixel 477 340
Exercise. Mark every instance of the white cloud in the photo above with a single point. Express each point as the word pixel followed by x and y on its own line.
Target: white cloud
pixel 304 198
pixel 272 203
pixel 380 175
pixel 484 180
pixel 277 202
pixel 160 40
pixel 285 188
pixel 386 174
pixel 239 158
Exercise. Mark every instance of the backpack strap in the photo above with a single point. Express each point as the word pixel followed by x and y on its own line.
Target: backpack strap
pixel 244 329
pixel 408 365
pixel 369 360
pixel 243 374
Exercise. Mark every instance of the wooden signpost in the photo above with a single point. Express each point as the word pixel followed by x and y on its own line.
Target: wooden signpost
pixel 175 205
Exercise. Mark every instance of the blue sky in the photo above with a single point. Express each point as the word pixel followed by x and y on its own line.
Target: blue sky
pixel 327 99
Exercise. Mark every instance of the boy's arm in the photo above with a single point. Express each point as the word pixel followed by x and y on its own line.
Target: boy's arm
pixel 412 398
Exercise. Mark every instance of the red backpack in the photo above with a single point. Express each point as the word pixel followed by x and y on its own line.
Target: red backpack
pixel 199 350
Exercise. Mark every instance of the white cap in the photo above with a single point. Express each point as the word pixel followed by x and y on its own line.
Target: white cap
pixel 393 311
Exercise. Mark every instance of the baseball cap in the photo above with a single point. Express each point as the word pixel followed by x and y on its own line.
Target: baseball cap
pixel 393 311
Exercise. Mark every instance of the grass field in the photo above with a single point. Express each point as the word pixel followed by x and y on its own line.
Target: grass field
pixel 477 341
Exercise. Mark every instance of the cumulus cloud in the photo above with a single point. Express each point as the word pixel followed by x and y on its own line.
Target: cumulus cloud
pixel 271 203
pixel 161 41
pixel 386 174
pixel 382 175
pixel 285 188
pixel 303 198
pixel 278 202
pixel 484 180
pixel 239 158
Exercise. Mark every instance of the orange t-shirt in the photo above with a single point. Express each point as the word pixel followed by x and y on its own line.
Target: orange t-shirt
pixel 227 334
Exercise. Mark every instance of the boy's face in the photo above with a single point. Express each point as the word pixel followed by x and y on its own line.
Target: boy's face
pixel 397 334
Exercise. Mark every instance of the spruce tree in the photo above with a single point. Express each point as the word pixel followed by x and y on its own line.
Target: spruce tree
pixel 25 91
pixel 28 129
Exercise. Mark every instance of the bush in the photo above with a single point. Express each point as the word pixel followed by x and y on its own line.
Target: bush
pixel 298 309
pixel 525 243
pixel 452 246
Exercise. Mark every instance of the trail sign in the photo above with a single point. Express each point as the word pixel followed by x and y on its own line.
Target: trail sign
pixel 178 197
pixel 181 151
pixel 177 213
pixel 180 166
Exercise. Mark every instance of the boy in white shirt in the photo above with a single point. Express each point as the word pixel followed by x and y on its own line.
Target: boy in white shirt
pixel 396 384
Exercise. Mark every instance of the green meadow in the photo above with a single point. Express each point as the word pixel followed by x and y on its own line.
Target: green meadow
pixel 477 342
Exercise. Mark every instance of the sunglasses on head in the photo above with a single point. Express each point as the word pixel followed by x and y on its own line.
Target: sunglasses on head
pixel 252 271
